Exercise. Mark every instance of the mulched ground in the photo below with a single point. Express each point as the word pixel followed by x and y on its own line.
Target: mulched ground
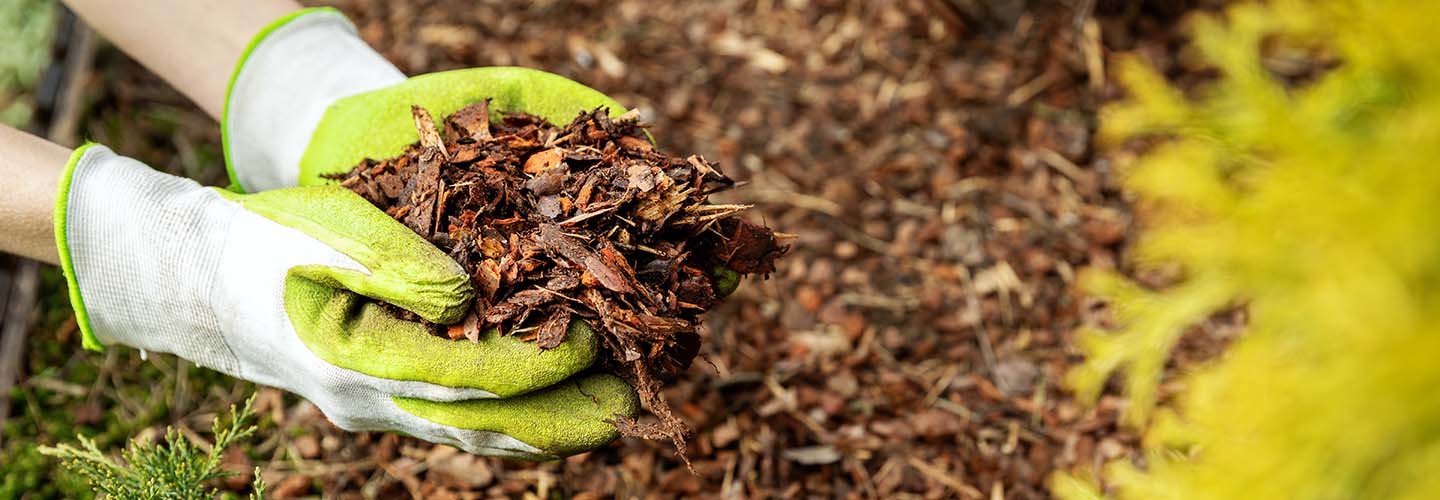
pixel 935 158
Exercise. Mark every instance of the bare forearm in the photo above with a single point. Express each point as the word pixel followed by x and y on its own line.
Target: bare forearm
pixel 30 167
pixel 193 44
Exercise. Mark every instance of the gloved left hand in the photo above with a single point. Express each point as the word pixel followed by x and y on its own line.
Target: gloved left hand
pixel 271 288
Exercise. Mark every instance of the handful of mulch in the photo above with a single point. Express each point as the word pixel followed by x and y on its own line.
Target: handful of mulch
pixel 585 222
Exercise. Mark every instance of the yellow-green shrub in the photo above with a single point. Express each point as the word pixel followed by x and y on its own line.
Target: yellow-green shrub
pixel 1318 207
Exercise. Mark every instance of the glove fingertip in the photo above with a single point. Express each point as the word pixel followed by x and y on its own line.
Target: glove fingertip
pixel 568 418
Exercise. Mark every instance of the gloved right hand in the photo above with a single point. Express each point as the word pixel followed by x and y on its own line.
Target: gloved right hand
pixel 272 288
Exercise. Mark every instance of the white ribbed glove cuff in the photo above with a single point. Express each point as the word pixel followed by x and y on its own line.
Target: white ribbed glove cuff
pixel 294 70
pixel 144 246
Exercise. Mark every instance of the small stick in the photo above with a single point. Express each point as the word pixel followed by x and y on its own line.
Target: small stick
pixel 429 136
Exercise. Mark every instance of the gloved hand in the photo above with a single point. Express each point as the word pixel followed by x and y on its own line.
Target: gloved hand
pixel 268 287
pixel 311 98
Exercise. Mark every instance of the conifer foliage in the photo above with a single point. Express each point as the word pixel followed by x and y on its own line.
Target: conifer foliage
pixel 174 470
pixel 1298 184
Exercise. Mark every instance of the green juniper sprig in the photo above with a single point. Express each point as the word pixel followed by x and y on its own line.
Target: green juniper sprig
pixel 172 469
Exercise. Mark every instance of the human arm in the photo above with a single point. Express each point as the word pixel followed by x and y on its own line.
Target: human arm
pixel 31 168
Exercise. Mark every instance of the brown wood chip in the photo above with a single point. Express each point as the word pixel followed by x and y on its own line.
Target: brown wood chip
pixel 544 160
pixel 556 241
pixel 553 330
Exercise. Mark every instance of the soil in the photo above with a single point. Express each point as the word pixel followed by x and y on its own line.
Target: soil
pixel 582 222
pixel 937 160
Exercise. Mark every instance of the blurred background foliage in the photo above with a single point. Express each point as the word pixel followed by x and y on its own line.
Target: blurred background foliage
pixel 28 26
pixel 1296 183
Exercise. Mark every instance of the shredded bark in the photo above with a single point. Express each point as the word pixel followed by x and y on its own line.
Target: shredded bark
pixel 586 221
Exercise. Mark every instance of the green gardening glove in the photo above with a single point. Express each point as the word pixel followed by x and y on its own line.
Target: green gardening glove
pixel 276 288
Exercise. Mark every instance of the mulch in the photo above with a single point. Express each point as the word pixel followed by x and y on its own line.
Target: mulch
pixel 935 159
pixel 585 222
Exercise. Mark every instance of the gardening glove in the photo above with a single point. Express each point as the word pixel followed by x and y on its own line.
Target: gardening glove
pixel 310 98
pixel 272 288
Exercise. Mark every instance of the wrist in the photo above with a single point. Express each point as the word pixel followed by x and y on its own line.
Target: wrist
pixel 292 72
pixel 31 167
